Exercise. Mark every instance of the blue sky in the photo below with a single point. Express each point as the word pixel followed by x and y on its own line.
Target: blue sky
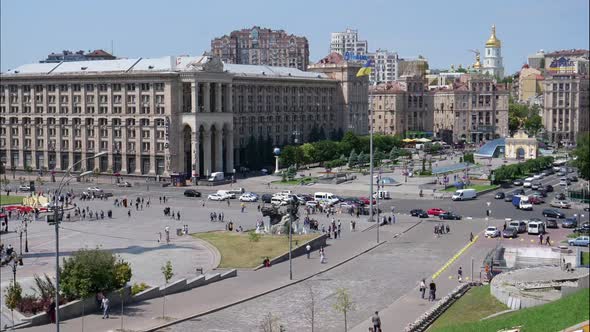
pixel 442 31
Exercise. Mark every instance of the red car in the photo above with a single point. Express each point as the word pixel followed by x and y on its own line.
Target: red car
pixel 435 211
pixel 536 200
pixel 366 201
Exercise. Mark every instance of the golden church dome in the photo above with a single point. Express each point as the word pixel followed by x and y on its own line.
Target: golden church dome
pixel 493 41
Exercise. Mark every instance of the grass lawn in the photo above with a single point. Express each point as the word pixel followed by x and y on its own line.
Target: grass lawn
pixel 237 251
pixel 297 181
pixel 12 199
pixel 477 187
pixel 554 316
pixel 585 258
pixel 478 302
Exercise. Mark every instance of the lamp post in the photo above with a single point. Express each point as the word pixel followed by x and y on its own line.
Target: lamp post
pixel 277 153
pixel 56 216
pixel 26 235
pixel 293 212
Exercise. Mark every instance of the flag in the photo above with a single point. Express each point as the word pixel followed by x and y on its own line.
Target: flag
pixel 365 70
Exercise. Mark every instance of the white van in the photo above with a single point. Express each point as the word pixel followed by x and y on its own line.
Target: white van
pixel 215 176
pixel 278 201
pixel 226 193
pixel 319 196
pixel 382 194
pixel 536 227
pixel 464 194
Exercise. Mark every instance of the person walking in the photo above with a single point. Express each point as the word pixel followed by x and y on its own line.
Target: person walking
pixel 432 293
pixel 308 250
pixel 548 240
pixel 471 237
pixel 376 320
pixel 460 274
pixel 541 239
pixel 105 307
pixel 423 287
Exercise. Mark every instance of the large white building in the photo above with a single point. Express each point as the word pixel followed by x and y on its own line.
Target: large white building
pixel 492 63
pixel 385 66
pixel 348 42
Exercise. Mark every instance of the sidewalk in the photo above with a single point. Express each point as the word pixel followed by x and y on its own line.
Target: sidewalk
pixel 409 307
pixel 248 283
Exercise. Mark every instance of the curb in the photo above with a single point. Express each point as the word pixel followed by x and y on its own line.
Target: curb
pixel 454 258
pixel 151 329
pixel 214 251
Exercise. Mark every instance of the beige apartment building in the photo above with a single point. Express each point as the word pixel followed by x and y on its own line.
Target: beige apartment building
pixel 171 115
pixel 566 109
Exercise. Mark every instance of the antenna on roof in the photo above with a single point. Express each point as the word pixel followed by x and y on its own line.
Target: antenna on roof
pixel 112 48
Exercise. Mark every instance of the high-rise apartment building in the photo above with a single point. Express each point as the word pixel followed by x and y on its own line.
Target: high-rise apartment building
pixel 78 56
pixel 385 66
pixel 348 43
pixel 262 46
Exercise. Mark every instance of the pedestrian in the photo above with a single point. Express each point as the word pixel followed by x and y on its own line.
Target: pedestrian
pixel 167 232
pixel 322 257
pixel 159 237
pixel 471 237
pixel 423 287
pixel 448 228
pixel 308 249
pixel 540 238
pixel 227 202
pixel 548 240
pixel 376 320
pixel 432 288
pixel 129 213
pixel 105 307
pixel 178 215
pixel 460 274
pixel 504 227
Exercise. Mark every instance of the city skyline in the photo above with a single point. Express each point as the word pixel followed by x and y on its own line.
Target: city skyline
pixel 522 28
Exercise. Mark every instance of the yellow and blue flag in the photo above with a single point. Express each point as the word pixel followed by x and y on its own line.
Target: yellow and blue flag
pixel 365 70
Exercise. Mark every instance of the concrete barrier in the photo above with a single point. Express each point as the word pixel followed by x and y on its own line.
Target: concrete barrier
pixel 229 274
pixel 315 243
pixel 174 287
pixel 147 294
pixel 212 278
pixel 196 282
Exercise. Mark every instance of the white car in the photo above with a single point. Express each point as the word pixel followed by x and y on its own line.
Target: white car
pixel 312 204
pixel 95 189
pixel 527 184
pixel 248 197
pixel 24 187
pixel 217 197
pixel 564 182
pixel 537 176
pixel 124 184
pixel 492 231
pixel 561 204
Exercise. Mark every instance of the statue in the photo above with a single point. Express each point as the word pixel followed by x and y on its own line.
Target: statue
pixel 279 222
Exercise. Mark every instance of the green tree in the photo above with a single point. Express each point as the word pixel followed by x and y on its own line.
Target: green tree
pixel 352 159
pixel 326 150
pixel 533 124
pixel 350 142
pixel 168 274
pixel 12 297
pixel 97 266
pixel 343 304
pixel 291 155
pixel 582 155
pixel 309 153
pixel 122 275
pixel 84 291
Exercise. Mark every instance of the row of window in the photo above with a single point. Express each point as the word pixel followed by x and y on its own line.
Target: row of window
pixel 13 88
pixel 77 145
pixel 89 99
pixel 79 109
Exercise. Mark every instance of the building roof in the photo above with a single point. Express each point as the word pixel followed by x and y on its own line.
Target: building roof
pixel 390 87
pixel 489 149
pixel 163 64
pixel 332 58
pixel 572 52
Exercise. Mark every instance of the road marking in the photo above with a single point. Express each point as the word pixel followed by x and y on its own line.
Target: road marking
pixel 454 258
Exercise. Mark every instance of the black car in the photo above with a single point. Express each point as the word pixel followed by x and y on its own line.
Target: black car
pixel 573 178
pixel 419 213
pixel 518 182
pixel 449 216
pixel 266 198
pixel 549 188
pixel 508 198
pixel 551 223
pixel 569 223
pixel 499 195
pixel 540 192
pixel 518 192
pixel 560 197
pixel 510 232
pixel 191 193
pixel 551 213
pixel 584 229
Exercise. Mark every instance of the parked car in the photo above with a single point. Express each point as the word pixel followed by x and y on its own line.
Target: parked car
pixel 564 182
pixel 217 197
pixel 435 211
pixel 518 182
pixel 248 197
pixel 560 196
pixel 365 200
pixel 191 193
pixel 499 195
pixel 94 189
pixel 551 213
pixel 449 216
pixel 538 176
pixel 572 178
pixel 124 184
pixel 520 226
pixel 492 231
pixel 585 229
pixel 266 198
pixel 560 204
pixel 511 232
pixel 419 213
pixel 560 173
pixel 548 188
pixel 583 241
pixel 312 203
pixel 551 223
pixel 569 223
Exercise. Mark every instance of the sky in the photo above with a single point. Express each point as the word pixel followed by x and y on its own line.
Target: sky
pixel 441 31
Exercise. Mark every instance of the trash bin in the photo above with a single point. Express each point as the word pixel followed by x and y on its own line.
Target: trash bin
pixel 179 231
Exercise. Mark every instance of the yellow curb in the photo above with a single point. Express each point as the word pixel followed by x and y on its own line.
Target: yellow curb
pixel 454 258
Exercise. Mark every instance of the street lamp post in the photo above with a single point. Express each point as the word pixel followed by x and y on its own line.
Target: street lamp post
pixel 62 183
pixel 293 212
pixel 26 235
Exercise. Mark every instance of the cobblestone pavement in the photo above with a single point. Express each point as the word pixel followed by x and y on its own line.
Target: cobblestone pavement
pixel 374 280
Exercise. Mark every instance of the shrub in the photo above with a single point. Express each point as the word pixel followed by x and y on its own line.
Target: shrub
pixel 138 288
pixel 13 296
pixel 30 304
pixel 93 271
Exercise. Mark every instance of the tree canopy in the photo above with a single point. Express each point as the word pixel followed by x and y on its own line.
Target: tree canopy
pixel 582 154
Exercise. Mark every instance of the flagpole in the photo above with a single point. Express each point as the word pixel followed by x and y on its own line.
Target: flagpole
pixel 371 161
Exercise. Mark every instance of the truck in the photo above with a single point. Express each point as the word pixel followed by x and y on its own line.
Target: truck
pixel 464 194
pixel 215 176
pixel 521 202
